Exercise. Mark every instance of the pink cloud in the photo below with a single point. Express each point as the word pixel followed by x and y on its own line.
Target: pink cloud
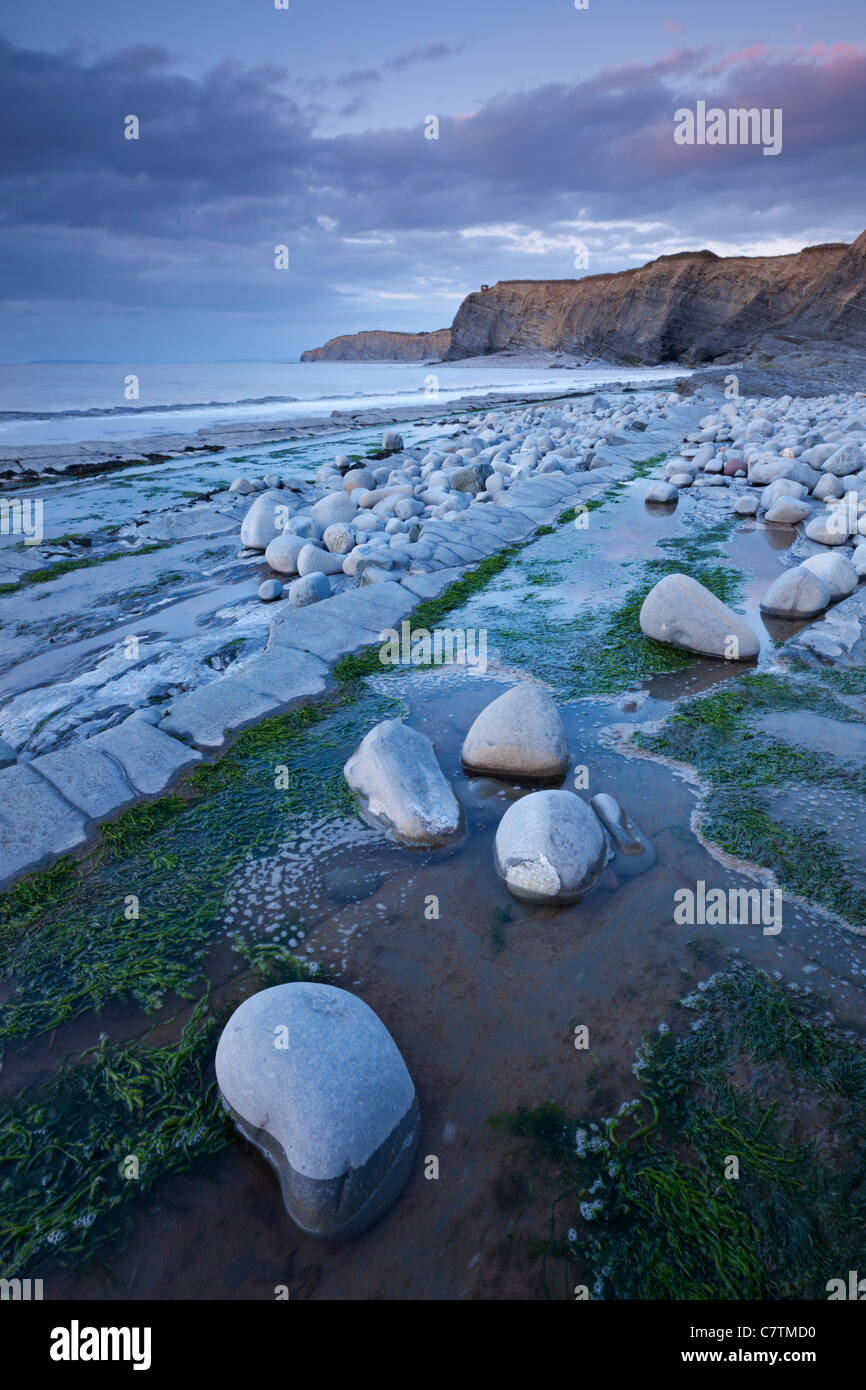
pixel 673 26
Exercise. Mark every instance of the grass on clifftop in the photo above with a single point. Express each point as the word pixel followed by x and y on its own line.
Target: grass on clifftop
pixel 648 1208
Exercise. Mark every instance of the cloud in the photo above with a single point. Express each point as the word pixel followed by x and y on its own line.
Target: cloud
pixel 234 162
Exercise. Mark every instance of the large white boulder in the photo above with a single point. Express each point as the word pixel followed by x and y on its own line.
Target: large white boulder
pixel 680 612
pixel 266 519
pixel 797 593
pixel 550 848
pixel 313 1079
pixel 400 786
pixel 519 734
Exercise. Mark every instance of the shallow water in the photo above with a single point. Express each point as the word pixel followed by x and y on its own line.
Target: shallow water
pixel 482 999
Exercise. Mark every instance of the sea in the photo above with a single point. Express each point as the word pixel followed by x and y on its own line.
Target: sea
pixel 72 402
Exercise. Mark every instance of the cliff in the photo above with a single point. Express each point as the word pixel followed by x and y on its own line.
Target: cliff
pixel 377 345
pixel 693 307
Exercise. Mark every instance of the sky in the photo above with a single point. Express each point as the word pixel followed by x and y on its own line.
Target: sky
pixel 306 128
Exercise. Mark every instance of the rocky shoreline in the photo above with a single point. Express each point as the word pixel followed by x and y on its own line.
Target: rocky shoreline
pixel 386 535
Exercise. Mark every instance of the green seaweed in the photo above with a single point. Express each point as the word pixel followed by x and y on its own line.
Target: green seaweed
pixel 648 1205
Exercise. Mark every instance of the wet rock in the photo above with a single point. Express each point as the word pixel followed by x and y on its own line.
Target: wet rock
pixel 311 1076
pixel 550 848
pixel 837 572
pixel 149 757
pixel 337 506
pixel 798 593
pixel 208 716
pixel 519 734
pixel 36 824
pixel 358 478
pixel 7 754
pixel 848 459
pixel 241 485
pixel 338 539
pixel 746 505
pixel 89 779
pixel 733 467
pixel 270 590
pixel 282 553
pixel 313 560
pixel 679 480
pixel 661 492
pixel 272 480
pixel 392 439
pixel 680 612
pixel 633 852
pixel 263 523
pixel 400 786
pixel 311 588
pixel 829 529
pixel 828 486
pixel 858 559
pixel 787 511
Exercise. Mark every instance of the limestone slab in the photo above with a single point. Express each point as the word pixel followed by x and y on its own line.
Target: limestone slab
pixel 150 759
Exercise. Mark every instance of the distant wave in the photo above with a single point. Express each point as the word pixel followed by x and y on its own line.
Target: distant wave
pixel 103 412
pixel 141 409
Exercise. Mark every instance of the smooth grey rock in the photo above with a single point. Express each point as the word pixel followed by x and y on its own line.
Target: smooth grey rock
pixel 519 734
pixel 831 528
pixel 358 478
pixel 36 824
pixel 550 848
pixel 150 759
pixel 208 716
pixel 848 459
pixel 241 485
pixel 858 559
pixel 270 590
pixel 313 560
pixel 400 786
pixel 662 492
pixel 392 439
pixel 747 505
pixel 837 572
pixel 828 486
pixel 310 588
pixel 311 1076
pixel 787 511
pixel 337 506
pixel 797 593
pixel 88 778
pixel 680 612
pixel 8 756
pixel 287 674
pixel 264 521
pixel 304 526
pixel 633 852
pixel 282 553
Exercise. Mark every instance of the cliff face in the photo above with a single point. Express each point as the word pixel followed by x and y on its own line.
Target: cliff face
pixel 692 307
pixel 836 311
pixel 380 346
